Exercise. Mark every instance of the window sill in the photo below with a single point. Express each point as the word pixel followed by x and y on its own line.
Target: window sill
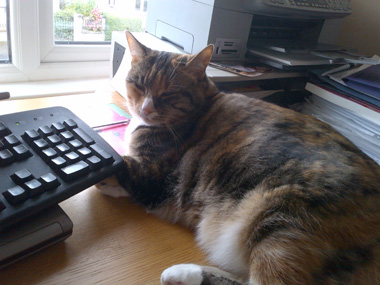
pixel 24 90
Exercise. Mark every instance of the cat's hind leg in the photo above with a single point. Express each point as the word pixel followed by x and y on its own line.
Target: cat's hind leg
pixel 193 274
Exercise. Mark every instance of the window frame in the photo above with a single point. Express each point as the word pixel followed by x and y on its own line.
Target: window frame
pixel 8 36
pixel 35 56
pixel 50 52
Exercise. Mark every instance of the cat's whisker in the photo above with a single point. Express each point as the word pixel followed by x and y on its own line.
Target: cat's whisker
pixel 177 137
pixel 174 135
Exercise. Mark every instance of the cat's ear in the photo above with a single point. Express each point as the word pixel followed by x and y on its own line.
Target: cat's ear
pixel 200 61
pixel 138 50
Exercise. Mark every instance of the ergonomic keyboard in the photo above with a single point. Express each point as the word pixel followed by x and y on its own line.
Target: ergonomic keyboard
pixel 46 156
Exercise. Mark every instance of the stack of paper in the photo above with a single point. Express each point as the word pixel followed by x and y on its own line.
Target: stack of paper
pixel 348 100
pixel 364 133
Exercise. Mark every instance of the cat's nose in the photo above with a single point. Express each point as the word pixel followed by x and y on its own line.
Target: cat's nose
pixel 147 106
pixel 147 111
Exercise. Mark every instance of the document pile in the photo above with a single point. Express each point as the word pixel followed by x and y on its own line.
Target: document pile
pixel 348 98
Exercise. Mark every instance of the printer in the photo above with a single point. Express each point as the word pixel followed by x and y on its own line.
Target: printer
pixel 268 29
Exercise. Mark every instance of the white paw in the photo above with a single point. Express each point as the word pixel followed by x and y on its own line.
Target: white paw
pixel 115 191
pixel 182 274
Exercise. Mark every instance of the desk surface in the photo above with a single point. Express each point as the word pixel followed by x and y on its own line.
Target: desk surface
pixel 114 241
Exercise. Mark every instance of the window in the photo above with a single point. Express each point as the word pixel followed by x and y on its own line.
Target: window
pixel 5 55
pixel 140 7
pixel 92 21
pixel 63 39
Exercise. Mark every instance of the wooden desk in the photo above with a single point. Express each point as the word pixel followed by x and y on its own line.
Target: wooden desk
pixel 114 241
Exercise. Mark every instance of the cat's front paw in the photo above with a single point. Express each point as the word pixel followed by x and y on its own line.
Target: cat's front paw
pixel 112 188
pixel 182 274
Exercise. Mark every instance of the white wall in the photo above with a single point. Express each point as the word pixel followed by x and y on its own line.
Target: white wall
pixel 361 29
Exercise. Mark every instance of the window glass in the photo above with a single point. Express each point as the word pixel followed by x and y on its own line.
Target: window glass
pixel 93 21
pixel 4 33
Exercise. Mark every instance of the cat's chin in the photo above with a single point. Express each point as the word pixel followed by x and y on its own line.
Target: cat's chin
pixel 150 122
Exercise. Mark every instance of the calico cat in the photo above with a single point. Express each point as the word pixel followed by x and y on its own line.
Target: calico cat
pixel 274 196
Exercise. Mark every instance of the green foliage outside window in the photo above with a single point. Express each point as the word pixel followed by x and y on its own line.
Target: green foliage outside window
pixel 121 24
pixel 78 6
pixel 64 25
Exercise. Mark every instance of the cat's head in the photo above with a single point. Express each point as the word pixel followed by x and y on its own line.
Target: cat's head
pixel 166 88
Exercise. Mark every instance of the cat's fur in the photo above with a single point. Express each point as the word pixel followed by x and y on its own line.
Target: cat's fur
pixel 274 196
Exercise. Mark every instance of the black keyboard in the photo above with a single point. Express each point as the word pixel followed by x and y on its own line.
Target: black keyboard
pixel 46 156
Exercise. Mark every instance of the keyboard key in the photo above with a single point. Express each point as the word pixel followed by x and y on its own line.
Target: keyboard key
pixel 4 131
pixel 33 187
pixel 15 195
pixel 31 135
pixel 84 152
pixel 11 140
pixel 71 157
pixel 74 171
pixel 39 145
pixel 2 145
pixel 21 152
pixel 48 154
pixel 74 144
pixel 21 176
pixel 83 136
pixel 58 127
pixel 70 124
pixel 49 181
pixel 53 140
pixel 66 136
pixel 6 157
pixel 63 148
pixel 104 156
pixel 94 162
pixel 45 131
pixel 58 162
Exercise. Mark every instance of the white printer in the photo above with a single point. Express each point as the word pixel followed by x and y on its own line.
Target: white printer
pixel 235 26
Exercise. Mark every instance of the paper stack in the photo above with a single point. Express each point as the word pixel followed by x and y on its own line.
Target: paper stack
pixel 348 100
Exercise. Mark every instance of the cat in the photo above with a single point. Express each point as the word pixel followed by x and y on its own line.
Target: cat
pixel 274 196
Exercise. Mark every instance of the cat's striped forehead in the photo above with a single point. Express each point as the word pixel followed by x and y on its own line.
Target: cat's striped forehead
pixel 158 69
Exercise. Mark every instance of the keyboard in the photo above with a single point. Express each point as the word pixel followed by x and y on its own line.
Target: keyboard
pixel 46 156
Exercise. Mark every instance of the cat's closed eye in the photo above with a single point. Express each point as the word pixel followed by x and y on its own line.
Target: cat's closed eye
pixel 168 95
pixel 135 84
